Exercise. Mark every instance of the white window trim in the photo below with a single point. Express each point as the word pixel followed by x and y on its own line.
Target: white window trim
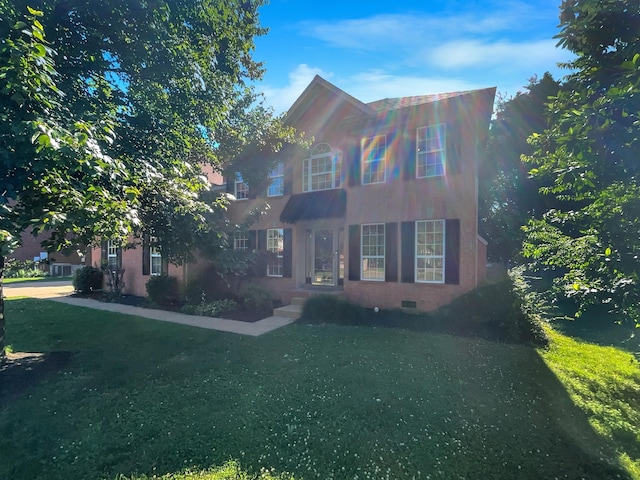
pixel 276 173
pixel 443 256
pixel 364 161
pixel 154 252
pixel 112 255
pixel 363 256
pixel 279 252
pixel 307 167
pixel 427 152
pixel 240 181
pixel 240 240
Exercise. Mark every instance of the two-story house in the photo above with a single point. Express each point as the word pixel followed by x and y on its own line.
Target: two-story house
pixel 383 206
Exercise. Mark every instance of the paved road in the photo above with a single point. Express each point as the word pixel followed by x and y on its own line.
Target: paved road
pixel 60 291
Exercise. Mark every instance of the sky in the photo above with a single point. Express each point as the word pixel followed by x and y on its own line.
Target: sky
pixel 374 49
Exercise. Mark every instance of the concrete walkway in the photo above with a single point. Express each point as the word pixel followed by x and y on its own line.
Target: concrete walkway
pixel 60 291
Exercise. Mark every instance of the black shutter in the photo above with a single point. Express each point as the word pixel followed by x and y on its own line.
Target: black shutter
pixel 252 241
pixel 410 152
pixel 288 180
pixel 231 183
pixel 262 240
pixel 119 258
pixel 354 160
pixel 104 253
pixel 146 256
pixel 454 143
pixel 354 252
pixel 165 266
pixel 261 266
pixel 408 251
pixel 391 252
pixel 287 253
pixel 452 252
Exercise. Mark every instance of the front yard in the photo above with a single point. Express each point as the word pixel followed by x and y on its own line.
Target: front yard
pixel 140 397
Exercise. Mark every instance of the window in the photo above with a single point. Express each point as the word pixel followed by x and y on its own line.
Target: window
pixel 430 251
pixel 275 245
pixel 242 189
pixel 372 252
pixel 430 151
pixel 240 241
pixel 374 150
pixel 321 171
pixel 156 260
pixel 112 256
pixel 276 181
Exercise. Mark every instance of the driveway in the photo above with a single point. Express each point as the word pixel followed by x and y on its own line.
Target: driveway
pixel 38 289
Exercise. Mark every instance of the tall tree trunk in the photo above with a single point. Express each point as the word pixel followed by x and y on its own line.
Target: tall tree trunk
pixel 2 356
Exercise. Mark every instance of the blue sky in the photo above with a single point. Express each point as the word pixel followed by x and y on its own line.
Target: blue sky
pixel 376 49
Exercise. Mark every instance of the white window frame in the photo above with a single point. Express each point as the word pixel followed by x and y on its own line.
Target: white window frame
pixel 427 251
pixel 240 240
pixel 431 142
pixel 276 181
pixel 154 253
pixel 366 255
pixel 321 155
pixel 369 156
pixel 275 244
pixel 241 189
pixel 112 255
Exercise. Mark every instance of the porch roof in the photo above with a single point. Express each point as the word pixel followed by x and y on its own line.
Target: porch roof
pixel 315 205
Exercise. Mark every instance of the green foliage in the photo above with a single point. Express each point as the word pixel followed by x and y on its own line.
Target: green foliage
pixel 14 268
pixel 333 309
pixel 257 298
pixel 588 157
pixel 164 290
pixel 210 308
pixel 87 279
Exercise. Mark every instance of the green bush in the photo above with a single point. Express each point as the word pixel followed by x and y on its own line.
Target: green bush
pixel 332 309
pixel 210 284
pixel 21 269
pixel 257 298
pixel 164 290
pixel 210 309
pixel 87 279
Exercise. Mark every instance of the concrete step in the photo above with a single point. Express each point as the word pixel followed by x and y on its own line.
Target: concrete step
pixel 298 300
pixel 289 311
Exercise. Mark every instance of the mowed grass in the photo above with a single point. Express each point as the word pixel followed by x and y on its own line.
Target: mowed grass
pixel 142 398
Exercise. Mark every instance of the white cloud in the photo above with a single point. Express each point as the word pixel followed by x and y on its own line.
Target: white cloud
pixel 461 54
pixel 281 98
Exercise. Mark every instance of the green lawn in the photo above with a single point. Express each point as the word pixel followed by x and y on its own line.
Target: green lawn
pixel 35 279
pixel 141 397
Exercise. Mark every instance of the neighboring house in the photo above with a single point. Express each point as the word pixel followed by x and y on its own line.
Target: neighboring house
pixel 383 208
pixel 56 263
pixel 384 205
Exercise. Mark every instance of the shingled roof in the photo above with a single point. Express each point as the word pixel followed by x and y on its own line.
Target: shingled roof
pixel 387 104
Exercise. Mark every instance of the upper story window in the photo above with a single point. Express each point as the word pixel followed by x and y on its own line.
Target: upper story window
pixel 430 151
pixel 321 171
pixel 374 151
pixel 276 181
pixel 240 240
pixel 241 189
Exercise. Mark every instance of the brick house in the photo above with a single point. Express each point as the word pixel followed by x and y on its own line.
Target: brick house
pixel 382 208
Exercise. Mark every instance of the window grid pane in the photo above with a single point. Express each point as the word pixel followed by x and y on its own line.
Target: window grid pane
pixel 276 184
pixel 430 251
pixel 112 255
pixel 321 171
pixel 373 254
pixel 430 151
pixel 373 159
pixel 275 244
pixel 242 189
pixel 240 241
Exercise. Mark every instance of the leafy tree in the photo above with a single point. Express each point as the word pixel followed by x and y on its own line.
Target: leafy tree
pixel 590 154
pixel 508 195
pixel 109 140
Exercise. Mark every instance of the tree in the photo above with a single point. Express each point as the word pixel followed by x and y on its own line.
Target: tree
pixel 589 152
pixel 508 195
pixel 109 140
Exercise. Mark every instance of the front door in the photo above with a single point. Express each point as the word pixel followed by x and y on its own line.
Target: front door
pixel 324 258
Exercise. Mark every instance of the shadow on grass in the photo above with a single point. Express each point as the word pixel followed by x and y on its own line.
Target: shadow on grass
pixel 145 397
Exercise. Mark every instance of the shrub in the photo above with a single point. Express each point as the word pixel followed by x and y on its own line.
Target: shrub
pixel 257 298
pixel 164 290
pixel 332 309
pixel 210 283
pixel 87 279
pixel 210 309
pixel 14 268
